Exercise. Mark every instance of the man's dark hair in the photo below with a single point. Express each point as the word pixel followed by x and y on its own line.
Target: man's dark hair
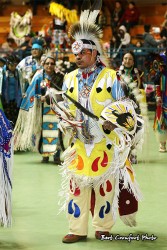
pixel 147 27
pixel 86 41
pixel 10 40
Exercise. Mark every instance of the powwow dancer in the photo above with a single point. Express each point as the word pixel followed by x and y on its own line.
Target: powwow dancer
pixel 6 163
pixel 36 128
pixel 30 64
pixel 160 81
pixel 97 159
pixel 132 84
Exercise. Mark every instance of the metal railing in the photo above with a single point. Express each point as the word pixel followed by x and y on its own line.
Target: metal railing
pixel 115 57
pixel 140 53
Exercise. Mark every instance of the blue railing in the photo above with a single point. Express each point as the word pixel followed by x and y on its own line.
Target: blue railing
pixel 115 57
pixel 141 54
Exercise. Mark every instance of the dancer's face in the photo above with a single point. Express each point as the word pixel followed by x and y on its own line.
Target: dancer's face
pixel 36 53
pixel 85 58
pixel 49 66
pixel 12 66
pixel 128 60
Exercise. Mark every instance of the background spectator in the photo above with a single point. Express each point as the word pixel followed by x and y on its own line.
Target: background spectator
pixel 138 47
pixel 124 36
pixel 116 15
pixel 25 48
pixel 121 39
pixel 149 41
pixel 130 17
pixel 2 62
pixel 9 46
pixel 11 89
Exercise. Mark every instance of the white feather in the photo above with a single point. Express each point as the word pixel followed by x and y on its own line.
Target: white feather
pixel 84 16
pixel 93 15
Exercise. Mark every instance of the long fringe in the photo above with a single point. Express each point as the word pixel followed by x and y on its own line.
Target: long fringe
pixel 129 220
pixel 121 153
pixel 27 130
pixel 6 189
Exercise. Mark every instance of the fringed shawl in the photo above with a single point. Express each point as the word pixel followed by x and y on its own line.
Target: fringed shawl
pixel 27 130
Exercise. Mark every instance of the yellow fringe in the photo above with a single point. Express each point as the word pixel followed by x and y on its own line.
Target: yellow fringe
pixel 62 13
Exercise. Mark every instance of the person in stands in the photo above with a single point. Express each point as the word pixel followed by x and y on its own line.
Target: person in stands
pixel 149 40
pixel 130 17
pixel 116 15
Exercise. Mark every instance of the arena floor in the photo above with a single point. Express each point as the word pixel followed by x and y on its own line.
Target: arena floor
pixel 38 226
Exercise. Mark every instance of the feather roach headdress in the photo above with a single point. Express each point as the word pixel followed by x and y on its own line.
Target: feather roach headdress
pixel 86 32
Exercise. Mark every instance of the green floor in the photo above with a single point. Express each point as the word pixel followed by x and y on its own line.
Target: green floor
pixel 37 225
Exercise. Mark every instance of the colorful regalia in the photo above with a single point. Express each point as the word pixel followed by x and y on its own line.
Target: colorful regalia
pixel 6 163
pixel 28 66
pixel 62 18
pixel 20 25
pixel 96 159
pixel 97 174
pixel 36 127
pixel 160 121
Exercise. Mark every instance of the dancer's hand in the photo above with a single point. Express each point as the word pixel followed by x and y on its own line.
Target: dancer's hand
pixel 107 125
